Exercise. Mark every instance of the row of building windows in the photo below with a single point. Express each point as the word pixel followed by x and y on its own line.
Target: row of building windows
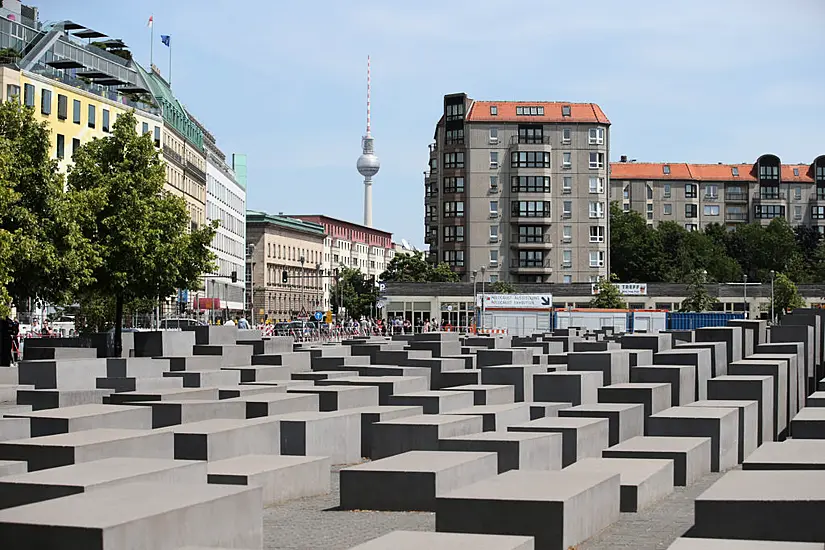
pixel 523 209
pixel 229 220
pixel 292 253
pixel 732 193
pixel 527 259
pixel 224 243
pixel 525 234
pixel 521 184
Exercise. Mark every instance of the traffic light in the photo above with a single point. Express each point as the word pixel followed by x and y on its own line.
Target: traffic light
pixel 284 277
pixel 234 276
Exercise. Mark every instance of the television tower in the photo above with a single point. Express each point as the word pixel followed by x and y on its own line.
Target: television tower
pixel 368 164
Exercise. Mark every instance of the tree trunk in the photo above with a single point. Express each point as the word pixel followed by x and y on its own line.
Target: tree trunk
pixel 118 344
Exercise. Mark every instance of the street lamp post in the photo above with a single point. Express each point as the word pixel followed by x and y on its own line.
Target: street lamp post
pixel 251 253
pixel 301 283
pixel 745 293
pixel 773 276
pixel 475 299
pixel 483 271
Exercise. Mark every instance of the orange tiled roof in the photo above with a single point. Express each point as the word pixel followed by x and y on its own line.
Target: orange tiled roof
pixel 701 172
pixel 579 112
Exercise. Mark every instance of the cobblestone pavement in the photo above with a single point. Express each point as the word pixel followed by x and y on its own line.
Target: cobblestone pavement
pixel 312 524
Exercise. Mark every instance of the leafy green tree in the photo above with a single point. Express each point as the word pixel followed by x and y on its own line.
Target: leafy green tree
pixel 412 268
pixel 699 299
pixel 636 253
pixel 140 232
pixel 502 287
pixel 43 253
pixel 608 295
pixel 785 295
pixel 354 292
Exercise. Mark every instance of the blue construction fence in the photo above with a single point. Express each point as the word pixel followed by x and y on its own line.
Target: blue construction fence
pixel 692 321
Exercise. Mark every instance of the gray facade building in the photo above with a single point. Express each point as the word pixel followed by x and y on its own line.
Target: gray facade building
pixel 519 190
pixel 697 195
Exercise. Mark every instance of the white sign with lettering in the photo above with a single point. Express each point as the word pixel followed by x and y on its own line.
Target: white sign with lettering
pixel 626 289
pixel 516 301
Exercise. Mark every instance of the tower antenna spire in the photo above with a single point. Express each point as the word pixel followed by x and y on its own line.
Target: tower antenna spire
pixel 368 164
pixel 369 89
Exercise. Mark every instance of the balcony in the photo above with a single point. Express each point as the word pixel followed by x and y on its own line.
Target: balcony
pixel 736 197
pixel 736 217
pixel 198 174
pixel 531 242
pixel 771 196
pixel 529 140
pixel 169 154
pixel 531 267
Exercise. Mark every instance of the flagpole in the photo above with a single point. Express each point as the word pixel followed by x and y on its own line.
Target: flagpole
pixel 152 45
pixel 170 62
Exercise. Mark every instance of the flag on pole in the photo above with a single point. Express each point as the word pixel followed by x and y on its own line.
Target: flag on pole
pixel 166 39
pixel 151 21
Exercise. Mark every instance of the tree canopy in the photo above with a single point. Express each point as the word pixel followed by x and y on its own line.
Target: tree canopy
pixel 699 299
pixel 608 295
pixel 786 295
pixel 355 292
pixel 412 268
pixel 140 232
pixel 670 253
pixel 502 287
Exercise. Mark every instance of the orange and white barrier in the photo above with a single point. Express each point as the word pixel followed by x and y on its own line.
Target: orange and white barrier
pixel 493 331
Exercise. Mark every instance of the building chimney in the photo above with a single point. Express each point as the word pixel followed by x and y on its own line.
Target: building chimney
pixel 623 158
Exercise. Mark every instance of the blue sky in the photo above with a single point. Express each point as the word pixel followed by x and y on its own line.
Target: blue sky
pixel 284 82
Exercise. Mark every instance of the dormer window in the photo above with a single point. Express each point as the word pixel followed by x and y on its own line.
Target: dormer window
pixel 493 110
pixel 735 171
pixel 565 110
pixel 666 169
pixel 524 110
pixel 796 172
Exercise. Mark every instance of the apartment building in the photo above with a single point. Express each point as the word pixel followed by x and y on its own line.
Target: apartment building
pixel 351 245
pixel 696 195
pixel 284 246
pixel 519 189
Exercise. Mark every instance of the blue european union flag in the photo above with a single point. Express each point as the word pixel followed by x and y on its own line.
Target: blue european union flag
pixel 166 39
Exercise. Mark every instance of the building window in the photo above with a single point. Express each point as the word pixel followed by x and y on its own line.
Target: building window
pixel 595 136
pixel 690 191
pixel 494 110
pixel 92 116
pixel 567 185
pixel 597 185
pixel 530 184
pixel 711 191
pixel 493 159
pixel 666 169
pixel 493 233
pixel 454 258
pixel 61 146
pixel 530 233
pixel 666 190
pixel 75 145
pixel 455 112
pixel 768 172
pixel 531 258
pixel 530 134
pixel 734 171
pixel 649 192
pixel 144 129
pixel 76 111
pixel 494 208
pixel 530 159
pixel 596 209
pixel 567 279
pixel 596 258
pixel 566 135
pixel 105 122
pixel 797 212
pixel 650 211
pixel 452 137
pixel 626 207
pixel 566 160
pixel 667 209
pixel 626 192
pixel 12 92
pixel 796 172
pixel 454 234
pixel 596 160
pixel 565 110
pixel 493 184
pixel 493 135
pixel 454 185
pixel 596 234
pixel 797 193
pixel 493 258
pixel 711 210
pixel 567 258
pixel 529 110
pixel 691 210
pixel 28 95
pixel 531 209
pixel 157 136
pixel 62 107
pixel 567 233
pixel 691 227
pixel 818 212
pixel 454 209
pixel 567 209
pixel 768 211
pixel 454 160
pixel 46 102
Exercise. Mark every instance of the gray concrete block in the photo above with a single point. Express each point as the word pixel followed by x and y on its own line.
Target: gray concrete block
pixel 371 415
pixel 721 425
pixel 12 467
pixel 625 420
pixel 14 428
pixel 545 409
pixel 387 385
pixel 718 355
pixel 572 507
pixel 748 388
pixel 222 438
pixel 262 373
pixel 435 401
pixel 690 455
pixel 52 451
pixel 172 413
pixel 809 423
pixel 40 400
pixel 109 519
pixel 682 380
pixel 796 349
pixel 207 378
pixel 698 358
pixel 232 355
pixel 335 398
pixel 578 388
pixel 643 481
pixel 295 361
pixel 86 417
pixel 63 374
pixel 731 335
pixel 281 477
pixel 757 327
pixel 498 417
pixel 31 487
pixel 38 353
pixel 412 481
pixel 419 433
pixel 164 343
pixel 415 540
pixel 269 404
pixel 136 367
pixel 791 454
pixel 214 334
pixel 581 437
pixel 732 544
pixel 796 379
pixel 132 384
pixel 654 397
pixel 232 392
pixel 778 371
pixel 640 357
pixel 334 434
pixel 748 422
pixel 512 356
pixel 182 394
pixel 516 450
pixel 763 505
pixel 614 365
pixel 520 376
pixel 797 333
pixel 816 399
pixel 488 394
pixel 655 342
pixel 464 377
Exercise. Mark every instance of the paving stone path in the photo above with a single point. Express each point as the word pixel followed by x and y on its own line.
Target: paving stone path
pixel 313 524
